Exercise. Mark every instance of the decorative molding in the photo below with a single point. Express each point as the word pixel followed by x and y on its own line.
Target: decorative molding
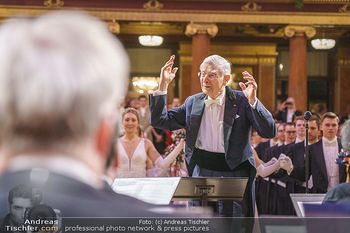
pixel 196 28
pixel 114 27
pixel 297 30
pixel 237 53
pixel 345 8
pixel 48 3
pixel 237 17
pixel 343 62
pixel 153 28
pixel 153 5
pixel 251 7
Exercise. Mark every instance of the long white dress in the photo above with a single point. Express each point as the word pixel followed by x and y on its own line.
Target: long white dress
pixel 134 167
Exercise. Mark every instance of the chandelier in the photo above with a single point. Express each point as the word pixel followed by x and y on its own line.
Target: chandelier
pixel 149 40
pixel 145 84
pixel 323 43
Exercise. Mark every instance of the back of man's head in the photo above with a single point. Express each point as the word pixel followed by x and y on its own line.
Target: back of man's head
pixel 60 74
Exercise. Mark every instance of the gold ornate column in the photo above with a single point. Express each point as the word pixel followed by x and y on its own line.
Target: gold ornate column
pixel 201 34
pixel 297 63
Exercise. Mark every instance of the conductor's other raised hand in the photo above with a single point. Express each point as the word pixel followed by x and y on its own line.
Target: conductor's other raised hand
pixel 249 88
pixel 167 74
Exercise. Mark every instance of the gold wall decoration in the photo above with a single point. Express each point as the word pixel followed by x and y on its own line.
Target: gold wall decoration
pixel 292 30
pixel 198 28
pixel 345 8
pixel 48 3
pixel 153 5
pixel 251 7
pixel 114 27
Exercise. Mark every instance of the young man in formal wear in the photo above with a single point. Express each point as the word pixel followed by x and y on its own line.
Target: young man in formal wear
pixel 322 154
pixel 341 192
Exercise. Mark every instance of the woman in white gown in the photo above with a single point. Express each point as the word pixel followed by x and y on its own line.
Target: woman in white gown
pixel 137 157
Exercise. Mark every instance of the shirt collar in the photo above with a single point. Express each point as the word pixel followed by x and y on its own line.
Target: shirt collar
pixel 221 97
pixel 330 141
pixel 297 140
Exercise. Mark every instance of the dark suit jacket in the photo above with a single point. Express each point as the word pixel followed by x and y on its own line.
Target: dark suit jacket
pixel 317 168
pixel 260 149
pixel 239 117
pixel 77 199
pixel 282 115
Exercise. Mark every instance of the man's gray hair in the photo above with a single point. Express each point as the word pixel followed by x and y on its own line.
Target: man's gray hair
pixel 219 62
pixel 345 136
pixel 60 74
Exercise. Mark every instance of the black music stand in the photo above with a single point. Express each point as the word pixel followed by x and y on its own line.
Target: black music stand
pixel 210 189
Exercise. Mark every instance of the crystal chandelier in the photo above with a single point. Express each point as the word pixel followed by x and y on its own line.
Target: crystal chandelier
pixel 149 40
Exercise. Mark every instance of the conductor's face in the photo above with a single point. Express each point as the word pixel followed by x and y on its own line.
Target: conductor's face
pixel 212 82
pixel 18 208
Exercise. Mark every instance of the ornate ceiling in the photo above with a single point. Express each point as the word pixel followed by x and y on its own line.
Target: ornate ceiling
pixel 236 19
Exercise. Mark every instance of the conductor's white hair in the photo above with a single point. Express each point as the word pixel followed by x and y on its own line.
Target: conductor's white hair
pixel 221 63
pixel 59 75
pixel 345 136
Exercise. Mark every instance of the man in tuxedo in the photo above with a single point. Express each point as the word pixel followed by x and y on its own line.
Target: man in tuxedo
pixel 59 89
pixel 144 116
pixel 218 125
pixel 341 192
pixel 297 152
pixel 322 154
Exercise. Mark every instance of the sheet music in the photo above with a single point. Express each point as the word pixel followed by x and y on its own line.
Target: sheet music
pixel 152 190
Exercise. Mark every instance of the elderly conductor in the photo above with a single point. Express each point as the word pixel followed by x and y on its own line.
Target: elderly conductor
pixel 218 122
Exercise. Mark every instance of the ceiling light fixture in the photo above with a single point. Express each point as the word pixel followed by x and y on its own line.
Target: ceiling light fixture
pixel 323 43
pixel 149 40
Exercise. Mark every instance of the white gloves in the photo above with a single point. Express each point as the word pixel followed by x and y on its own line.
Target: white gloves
pixel 165 163
pixel 268 168
pixel 286 163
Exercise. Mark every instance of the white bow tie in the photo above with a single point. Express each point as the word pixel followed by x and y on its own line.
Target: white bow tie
pixel 208 102
pixel 328 143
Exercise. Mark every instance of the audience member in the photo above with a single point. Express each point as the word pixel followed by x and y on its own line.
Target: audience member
pixel 176 102
pixel 288 111
pixel 321 110
pixel 144 116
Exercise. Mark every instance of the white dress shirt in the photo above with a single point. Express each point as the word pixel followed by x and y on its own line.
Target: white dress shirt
pixel 273 143
pixel 211 132
pixel 297 140
pixel 290 113
pixel 330 155
pixel 143 111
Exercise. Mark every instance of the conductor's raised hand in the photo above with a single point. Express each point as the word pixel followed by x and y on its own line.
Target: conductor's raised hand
pixel 249 88
pixel 167 74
